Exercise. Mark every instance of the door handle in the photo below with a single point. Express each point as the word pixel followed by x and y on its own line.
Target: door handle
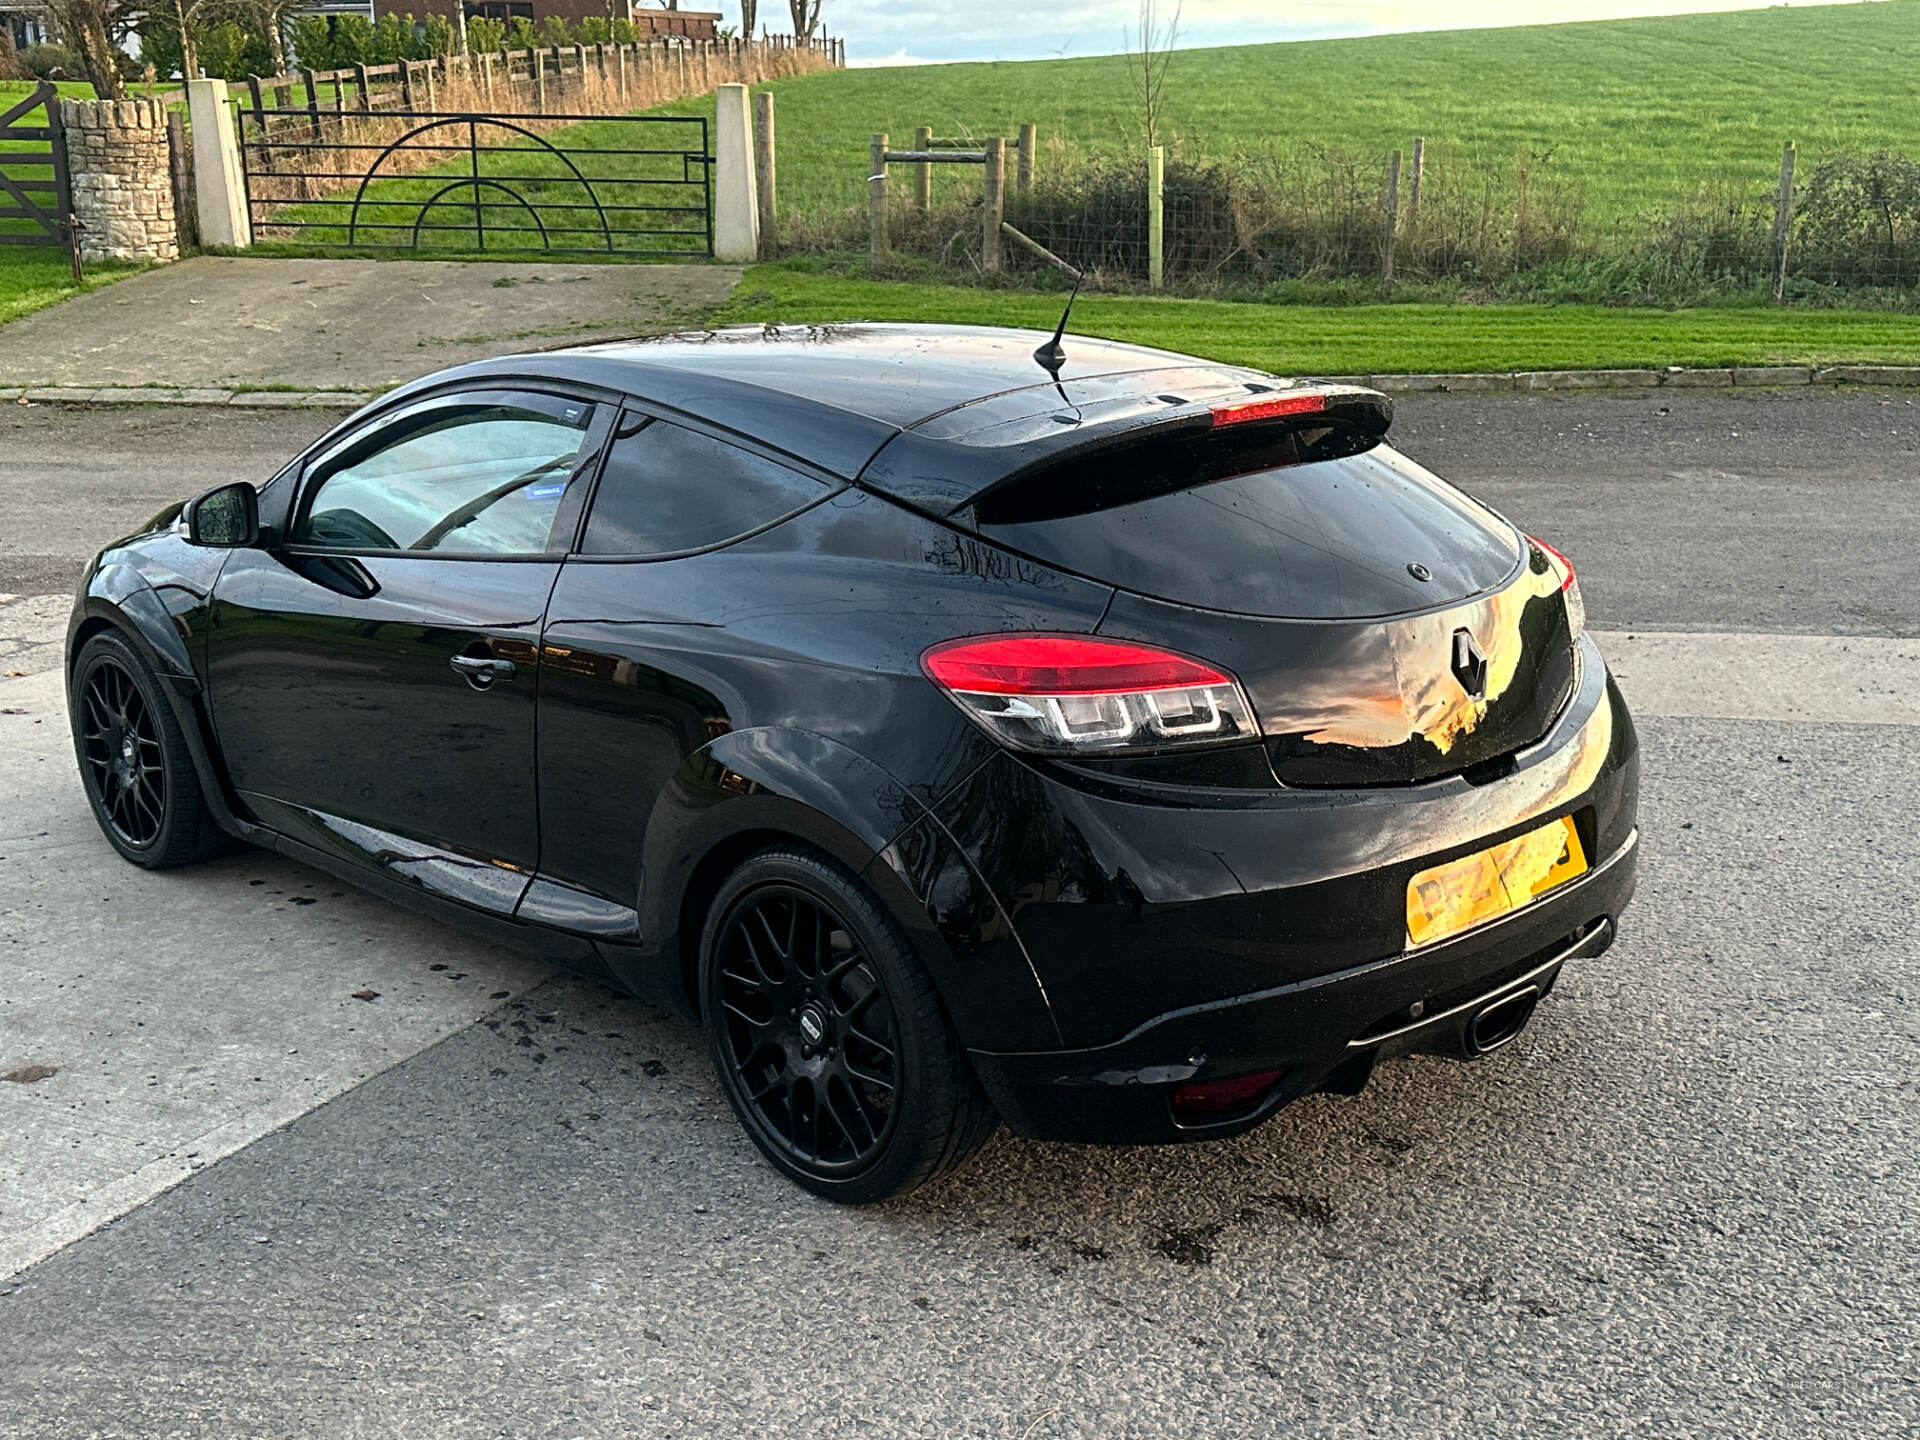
pixel 482 670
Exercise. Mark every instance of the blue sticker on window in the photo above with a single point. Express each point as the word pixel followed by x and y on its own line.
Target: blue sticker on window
pixel 547 492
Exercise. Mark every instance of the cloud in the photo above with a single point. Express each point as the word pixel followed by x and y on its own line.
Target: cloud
pixel 880 32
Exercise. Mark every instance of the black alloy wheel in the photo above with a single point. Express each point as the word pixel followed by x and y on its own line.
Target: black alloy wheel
pixel 138 772
pixel 828 1036
pixel 810 1032
pixel 120 742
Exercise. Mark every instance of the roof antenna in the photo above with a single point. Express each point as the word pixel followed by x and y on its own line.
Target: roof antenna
pixel 1052 355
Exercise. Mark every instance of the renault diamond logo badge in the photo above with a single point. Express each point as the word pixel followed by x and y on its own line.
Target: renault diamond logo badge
pixel 1469 665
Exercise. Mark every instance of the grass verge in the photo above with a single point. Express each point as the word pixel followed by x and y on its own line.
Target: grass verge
pixel 32 278
pixel 1358 339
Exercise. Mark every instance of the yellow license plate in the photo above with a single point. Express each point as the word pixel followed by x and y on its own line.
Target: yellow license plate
pixel 1463 893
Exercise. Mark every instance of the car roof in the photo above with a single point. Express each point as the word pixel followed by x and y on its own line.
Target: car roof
pixel 973 400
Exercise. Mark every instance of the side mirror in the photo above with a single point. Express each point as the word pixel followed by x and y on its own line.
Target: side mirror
pixel 227 518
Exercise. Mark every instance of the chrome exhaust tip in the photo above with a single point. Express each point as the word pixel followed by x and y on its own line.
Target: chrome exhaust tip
pixel 1494 1025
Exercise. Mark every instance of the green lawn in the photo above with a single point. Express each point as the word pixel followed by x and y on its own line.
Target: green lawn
pixel 32 277
pixel 1360 339
pixel 1635 112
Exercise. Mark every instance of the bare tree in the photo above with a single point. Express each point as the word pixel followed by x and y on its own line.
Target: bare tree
pixel 749 12
pixel 1149 56
pixel 85 24
pixel 188 15
pixel 806 17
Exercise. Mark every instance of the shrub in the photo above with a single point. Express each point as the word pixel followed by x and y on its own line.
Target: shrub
pixel 50 62
pixel 554 31
pixel 485 35
pixel 521 35
pixel 594 30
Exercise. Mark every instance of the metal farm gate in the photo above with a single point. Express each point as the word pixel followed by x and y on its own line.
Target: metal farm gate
pixel 444 182
pixel 36 200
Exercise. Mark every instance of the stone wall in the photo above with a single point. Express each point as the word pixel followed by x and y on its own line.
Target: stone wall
pixel 122 183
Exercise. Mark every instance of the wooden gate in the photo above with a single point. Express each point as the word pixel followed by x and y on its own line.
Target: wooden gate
pixel 36 201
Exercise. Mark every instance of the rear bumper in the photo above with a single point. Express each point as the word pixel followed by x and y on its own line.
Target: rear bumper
pixel 1323 1033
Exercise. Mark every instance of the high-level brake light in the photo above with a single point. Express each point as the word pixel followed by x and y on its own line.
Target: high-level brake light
pixel 1269 407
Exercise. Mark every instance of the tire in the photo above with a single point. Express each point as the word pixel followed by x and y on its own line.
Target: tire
pixel 828 1036
pixel 134 763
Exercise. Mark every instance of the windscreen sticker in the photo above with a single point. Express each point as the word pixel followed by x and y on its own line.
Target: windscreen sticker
pixel 550 491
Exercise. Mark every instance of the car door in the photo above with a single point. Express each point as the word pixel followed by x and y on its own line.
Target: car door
pixel 636 648
pixel 372 676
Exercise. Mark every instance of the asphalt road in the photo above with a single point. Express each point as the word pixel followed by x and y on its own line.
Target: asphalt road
pixel 1685 1203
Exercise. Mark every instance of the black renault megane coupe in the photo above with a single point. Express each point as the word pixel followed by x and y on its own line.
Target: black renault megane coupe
pixel 1115 744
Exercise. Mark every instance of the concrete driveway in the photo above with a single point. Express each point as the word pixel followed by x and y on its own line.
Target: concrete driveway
pixel 217 321
pixel 1686 1202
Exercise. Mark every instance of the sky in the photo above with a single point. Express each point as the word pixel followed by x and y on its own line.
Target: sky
pixel 887 32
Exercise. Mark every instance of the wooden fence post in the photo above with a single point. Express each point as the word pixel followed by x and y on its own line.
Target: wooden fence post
pixel 363 89
pixel 995 195
pixel 432 100
pixel 180 170
pixel 406 85
pixel 1782 223
pixel 313 102
pixel 923 170
pixel 620 72
pixel 763 161
pixel 1023 168
pixel 1156 216
pixel 1413 183
pixel 580 54
pixel 1520 217
pixel 539 81
pixel 486 78
pixel 1390 206
pixel 878 242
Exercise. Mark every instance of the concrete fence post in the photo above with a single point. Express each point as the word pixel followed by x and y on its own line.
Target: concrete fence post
pixel 1023 168
pixel 217 183
pixel 736 209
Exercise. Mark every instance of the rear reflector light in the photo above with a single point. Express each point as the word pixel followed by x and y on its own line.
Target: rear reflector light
pixel 1569 586
pixel 1071 694
pixel 1271 407
pixel 1217 1100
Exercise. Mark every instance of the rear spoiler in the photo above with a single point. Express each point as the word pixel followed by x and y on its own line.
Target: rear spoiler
pixel 1192 445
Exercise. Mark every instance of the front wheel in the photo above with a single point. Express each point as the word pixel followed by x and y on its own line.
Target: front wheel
pixel 830 1040
pixel 134 761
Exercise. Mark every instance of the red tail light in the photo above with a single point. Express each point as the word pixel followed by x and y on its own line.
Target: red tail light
pixel 1270 407
pixel 1062 665
pixel 1569 586
pixel 1069 694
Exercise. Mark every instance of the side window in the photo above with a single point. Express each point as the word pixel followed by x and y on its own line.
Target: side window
pixel 666 489
pixel 485 480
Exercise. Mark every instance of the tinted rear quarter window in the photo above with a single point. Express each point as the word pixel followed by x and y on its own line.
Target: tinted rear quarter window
pixel 667 489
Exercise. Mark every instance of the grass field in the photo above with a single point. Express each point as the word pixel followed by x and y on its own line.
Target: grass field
pixel 1361 339
pixel 1636 112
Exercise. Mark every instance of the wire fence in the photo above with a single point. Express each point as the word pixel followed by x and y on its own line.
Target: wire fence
pixel 1266 221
